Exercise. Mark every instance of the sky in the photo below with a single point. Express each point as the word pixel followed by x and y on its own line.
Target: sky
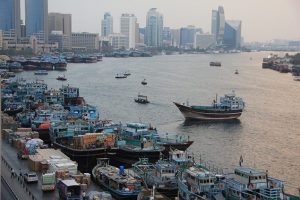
pixel 262 20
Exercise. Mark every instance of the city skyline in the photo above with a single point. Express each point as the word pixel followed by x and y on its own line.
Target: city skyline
pixel 262 21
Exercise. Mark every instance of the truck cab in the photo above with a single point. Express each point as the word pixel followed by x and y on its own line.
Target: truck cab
pixel 69 189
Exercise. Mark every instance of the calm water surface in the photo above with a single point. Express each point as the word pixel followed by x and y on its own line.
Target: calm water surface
pixel 267 134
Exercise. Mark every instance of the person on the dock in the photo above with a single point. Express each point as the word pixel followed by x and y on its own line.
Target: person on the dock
pixel 20 173
pixel 83 195
pixel 12 173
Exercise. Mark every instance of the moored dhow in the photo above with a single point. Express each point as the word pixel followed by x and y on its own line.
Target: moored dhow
pixel 120 184
pixel 230 107
pixel 251 183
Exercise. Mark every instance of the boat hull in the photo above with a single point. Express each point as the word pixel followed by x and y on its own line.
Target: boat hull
pixel 115 194
pixel 13 112
pixel 60 66
pixel 180 146
pixel 86 158
pixel 207 115
pixel 127 157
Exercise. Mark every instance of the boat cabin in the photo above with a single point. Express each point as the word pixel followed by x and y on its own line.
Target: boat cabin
pixel 231 102
pixel 180 158
pixel 70 92
pixel 54 97
pixel 248 182
pixel 141 99
pixel 165 169
pixel 86 112
pixel 69 129
pixel 200 179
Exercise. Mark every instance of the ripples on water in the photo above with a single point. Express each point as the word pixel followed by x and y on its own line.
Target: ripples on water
pixel 267 134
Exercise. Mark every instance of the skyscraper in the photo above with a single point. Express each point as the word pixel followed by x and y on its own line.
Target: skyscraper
pixel 60 22
pixel 214 22
pixel 154 28
pixel 10 17
pixel 232 34
pixel 218 24
pixel 107 25
pixel 128 28
pixel 36 13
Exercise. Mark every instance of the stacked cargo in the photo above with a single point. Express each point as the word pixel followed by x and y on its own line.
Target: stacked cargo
pixel 83 179
pixel 94 140
pixel 51 160
pixel 21 133
pixel 34 162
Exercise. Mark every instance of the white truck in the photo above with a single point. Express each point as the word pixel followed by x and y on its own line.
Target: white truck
pixel 48 182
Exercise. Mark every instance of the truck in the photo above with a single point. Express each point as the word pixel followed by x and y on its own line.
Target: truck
pixel 48 182
pixel 69 189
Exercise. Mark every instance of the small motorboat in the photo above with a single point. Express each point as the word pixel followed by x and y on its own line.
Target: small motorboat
pixel 61 78
pixel 120 76
pixel 41 72
pixel 141 99
pixel 236 72
pixel 215 64
pixel 127 73
pixel 144 82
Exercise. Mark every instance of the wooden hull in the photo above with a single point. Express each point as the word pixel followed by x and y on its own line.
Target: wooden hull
pixel 13 112
pixel 127 157
pixel 190 113
pixel 86 158
pixel 60 66
pixel 180 146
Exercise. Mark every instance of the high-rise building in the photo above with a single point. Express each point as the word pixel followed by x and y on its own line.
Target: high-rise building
pixel 218 24
pixel 10 19
pixel 232 34
pixel 128 28
pixel 60 22
pixel 36 13
pixel 107 25
pixel 1 40
pixel 154 28
pixel 137 33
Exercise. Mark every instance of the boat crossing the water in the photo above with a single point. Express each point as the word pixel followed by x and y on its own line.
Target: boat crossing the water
pixel 144 82
pixel 230 107
pixel 61 78
pixel 141 99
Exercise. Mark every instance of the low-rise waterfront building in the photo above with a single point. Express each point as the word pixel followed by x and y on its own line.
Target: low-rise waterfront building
pixel 89 41
pixel 204 41
pixel 118 40
pixel 63 40
pixel 175 37
pixel 29 43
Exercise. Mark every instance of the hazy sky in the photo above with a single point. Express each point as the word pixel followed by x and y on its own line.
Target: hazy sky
pixel 262 20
